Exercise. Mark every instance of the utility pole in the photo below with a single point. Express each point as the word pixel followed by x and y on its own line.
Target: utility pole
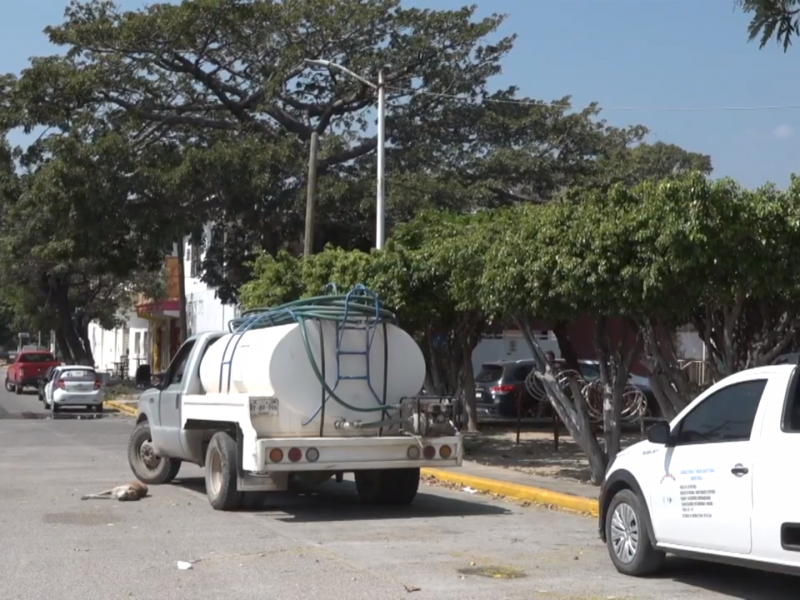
pixel 182 292
pixel 380 205
pixel 380 88
pixel 311 197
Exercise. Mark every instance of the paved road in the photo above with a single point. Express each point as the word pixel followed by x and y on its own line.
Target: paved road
pixel 449 545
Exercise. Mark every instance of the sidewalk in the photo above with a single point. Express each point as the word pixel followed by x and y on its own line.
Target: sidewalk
pixel 550 492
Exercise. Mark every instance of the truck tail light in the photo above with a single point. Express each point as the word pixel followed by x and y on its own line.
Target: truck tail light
pixel 429 452
pixel 295 454
pixel 312 455
pixel 413 452
pixel 445 452
pixel 276 455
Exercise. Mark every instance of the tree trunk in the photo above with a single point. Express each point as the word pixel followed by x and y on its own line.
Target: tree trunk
pixel 63 347
pixel 67 324
pixel 469 390
pixel 569 411
pixel 82 329
pixel 669 383
pixel 565 346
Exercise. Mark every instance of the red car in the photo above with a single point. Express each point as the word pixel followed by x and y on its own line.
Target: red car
pixel 27 368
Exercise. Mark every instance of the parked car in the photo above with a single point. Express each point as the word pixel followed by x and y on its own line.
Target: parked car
pixel 74 385
pixel 43 379
pixel 26 369
pixel 499 385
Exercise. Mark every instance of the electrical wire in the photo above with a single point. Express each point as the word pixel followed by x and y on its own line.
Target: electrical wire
pixel 674 109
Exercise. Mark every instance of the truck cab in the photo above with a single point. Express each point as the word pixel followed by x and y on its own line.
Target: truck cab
pixel 713 483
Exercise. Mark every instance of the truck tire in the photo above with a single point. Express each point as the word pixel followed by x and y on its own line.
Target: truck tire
pixel 221 459
pixel 18 389
pixel 9 387
pixel 147 467
pixel 387 487
pixel 628 538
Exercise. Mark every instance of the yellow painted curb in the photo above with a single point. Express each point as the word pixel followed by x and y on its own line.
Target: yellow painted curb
pixel 518 492
pixel 122 407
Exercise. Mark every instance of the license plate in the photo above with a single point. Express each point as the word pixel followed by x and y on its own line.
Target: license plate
pixel 264 405
pixel 478 394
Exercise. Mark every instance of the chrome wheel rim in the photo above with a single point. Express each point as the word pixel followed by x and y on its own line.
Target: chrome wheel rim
pixel 624 533
pixel 216 473
pixel 148 456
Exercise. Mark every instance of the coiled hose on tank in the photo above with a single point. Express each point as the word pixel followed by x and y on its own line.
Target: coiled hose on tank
pixel 358 305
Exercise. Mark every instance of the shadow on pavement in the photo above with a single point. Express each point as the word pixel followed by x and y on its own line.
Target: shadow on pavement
pixel 339 502
pixel 68 415
pixel 730 581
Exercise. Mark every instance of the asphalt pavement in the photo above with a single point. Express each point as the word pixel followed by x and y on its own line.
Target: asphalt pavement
pixel 448 545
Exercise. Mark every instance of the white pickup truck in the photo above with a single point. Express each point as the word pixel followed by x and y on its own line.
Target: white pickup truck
pixel 306 391
pixel 715 483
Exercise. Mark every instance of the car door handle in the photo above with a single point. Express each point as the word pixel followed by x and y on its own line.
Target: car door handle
pixel 740 470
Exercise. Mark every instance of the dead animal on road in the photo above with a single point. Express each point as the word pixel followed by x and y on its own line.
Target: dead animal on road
pixel 129 492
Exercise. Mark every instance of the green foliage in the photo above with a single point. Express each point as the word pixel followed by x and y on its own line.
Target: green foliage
pixel 772 19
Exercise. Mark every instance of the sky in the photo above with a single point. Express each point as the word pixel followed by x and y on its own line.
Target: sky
pixel 654 56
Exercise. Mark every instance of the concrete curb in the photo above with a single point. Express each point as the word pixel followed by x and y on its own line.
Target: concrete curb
pixel 122 407
pixel 517 492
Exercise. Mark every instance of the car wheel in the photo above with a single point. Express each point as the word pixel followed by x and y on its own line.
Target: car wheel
pixel 18 389
pixel 9 387
pixel 628 538
pixel 146 466
pixel 98 408
pixel 221 463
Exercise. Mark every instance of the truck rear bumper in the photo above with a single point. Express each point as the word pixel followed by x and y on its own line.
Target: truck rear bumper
pixel 357 453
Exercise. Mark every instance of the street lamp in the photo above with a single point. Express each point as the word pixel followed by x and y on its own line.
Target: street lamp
pixel 380 208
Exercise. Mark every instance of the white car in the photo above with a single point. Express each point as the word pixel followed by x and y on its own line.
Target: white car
pixel 74 385
pixel 717 483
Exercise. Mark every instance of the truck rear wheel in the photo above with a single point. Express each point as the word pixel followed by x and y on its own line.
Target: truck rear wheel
pixel 146 466
pixel 221 487
pixel 387 487
pixel 628 539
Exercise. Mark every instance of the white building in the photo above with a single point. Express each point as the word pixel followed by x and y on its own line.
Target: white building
pixel 150 334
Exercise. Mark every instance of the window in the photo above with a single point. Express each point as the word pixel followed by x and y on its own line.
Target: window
pixel 725 416
pixel 178 366
pixel 520 373
pixel 791 409
pixel 489 373
pixel 39 357
pixel 78 375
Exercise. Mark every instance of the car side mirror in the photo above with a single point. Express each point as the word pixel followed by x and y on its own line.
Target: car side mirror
pixel 659 434
pixel 157 379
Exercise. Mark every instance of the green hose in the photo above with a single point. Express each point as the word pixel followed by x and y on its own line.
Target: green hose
pixel 357 306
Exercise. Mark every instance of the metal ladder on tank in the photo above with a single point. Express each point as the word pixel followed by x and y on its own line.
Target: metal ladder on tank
pixel 369 327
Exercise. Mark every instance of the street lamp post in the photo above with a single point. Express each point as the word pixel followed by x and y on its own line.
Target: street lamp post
pixel 380 87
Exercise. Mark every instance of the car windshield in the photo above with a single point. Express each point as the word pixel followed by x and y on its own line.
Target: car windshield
pixel 78 375
pixel 489 373
pixel 36 358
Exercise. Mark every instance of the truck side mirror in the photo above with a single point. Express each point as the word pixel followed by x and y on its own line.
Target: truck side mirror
pixel 658 434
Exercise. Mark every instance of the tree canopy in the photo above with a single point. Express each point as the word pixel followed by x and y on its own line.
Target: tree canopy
pixel 653 257
pixel 772 19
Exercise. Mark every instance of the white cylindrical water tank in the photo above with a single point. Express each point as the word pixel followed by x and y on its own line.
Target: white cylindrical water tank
pixel 274 362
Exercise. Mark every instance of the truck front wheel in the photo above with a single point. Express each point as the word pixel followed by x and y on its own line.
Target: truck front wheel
pixel 628 539
pixel 221 487
pixel 387 487
pixel 145 464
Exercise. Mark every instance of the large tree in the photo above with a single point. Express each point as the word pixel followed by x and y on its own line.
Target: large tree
pixel 228 79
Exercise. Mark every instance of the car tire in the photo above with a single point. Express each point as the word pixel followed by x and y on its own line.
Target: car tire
pixel 221 462
pixel 628 536
pixel 18 389
pixel 55 407
pixel 387 487
pixel 98 408
pixel 9 387
pixel 165 470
